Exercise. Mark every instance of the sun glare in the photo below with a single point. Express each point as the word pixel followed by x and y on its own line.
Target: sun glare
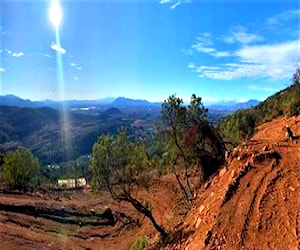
pixel 55 13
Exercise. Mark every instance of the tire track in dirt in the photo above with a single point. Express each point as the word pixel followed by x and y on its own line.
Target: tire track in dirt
pixel 259 206
pixel 298 227
pixel 258 194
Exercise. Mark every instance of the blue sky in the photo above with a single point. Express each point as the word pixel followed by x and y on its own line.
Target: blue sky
pixel 220 50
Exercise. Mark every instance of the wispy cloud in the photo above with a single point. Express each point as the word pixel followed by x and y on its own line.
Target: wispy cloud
pixel 191 65
pixel 249 56
pixel 283 17
pixel 204 44
pixel 241 36
pixel 17 54
pixel 274 61
pixel 261 89
pixel 8 51
pixel 75 65
pixel 47 55
pixel 76 78
pixel 165 1
pixel 175 5
pixel 58 48
pixel 271 54
pixel 2 70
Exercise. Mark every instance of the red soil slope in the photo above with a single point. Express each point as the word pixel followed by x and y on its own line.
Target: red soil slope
pixel 253 202
pixel 72 219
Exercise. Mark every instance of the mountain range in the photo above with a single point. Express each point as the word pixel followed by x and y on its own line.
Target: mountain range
pixel 12 100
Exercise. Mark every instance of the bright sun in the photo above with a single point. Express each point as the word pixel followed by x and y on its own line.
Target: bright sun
pixel 55 13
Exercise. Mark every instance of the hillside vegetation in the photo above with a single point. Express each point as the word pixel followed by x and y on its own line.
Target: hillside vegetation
pixel 241 125
pixel 38 129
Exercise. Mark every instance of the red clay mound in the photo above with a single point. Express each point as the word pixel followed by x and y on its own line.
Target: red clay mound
pixel 253 202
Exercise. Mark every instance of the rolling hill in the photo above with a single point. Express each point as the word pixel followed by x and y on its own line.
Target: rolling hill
pixel 39 130
pixel 241 124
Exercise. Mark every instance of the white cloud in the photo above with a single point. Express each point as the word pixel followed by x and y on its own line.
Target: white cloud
pixel 261 89
pixel 76 78
pixel 17 54
pixel 243 37
pixel 165 1
pixel 46 55
pixel 175 5
pixel 75 65
pixel 283 17
pixel 8 51
pixel 2 70
pixel 58 48
pixel 205 45
pixel 191 65
pixel 209 100
pixel 275 61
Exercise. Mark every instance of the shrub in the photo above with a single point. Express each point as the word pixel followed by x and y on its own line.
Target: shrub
pixel 140 243
pixel 20 169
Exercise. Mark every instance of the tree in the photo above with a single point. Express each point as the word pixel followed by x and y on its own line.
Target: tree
pixel 121 166
pixel 191 138
pixel 174 116
pixel 205 146
pixel 20 169
pixel 296 76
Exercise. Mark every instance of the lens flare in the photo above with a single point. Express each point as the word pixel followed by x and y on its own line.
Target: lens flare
pixel 56 17
pixel 55 14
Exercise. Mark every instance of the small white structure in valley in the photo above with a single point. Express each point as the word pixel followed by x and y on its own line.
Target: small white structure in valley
pixel 71 183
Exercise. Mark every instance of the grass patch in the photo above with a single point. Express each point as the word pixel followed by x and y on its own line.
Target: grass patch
pixel 140 243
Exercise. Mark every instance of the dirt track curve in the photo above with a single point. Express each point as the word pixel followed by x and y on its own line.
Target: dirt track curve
pixel 253 202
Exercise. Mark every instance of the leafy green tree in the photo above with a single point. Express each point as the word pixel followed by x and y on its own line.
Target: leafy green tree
pixel 174 116
pixel 205 146
pixel 122 167
pixel 191 139
pixel 20 169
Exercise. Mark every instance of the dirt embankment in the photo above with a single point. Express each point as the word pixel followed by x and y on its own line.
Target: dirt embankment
pixel 81 219
pixel 254 201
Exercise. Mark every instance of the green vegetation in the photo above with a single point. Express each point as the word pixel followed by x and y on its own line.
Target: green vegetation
pixel 241 125
pixel 190 139
pixel 20 169
pixel 140 243
pixel 123 167
pixel 77 168
pixel 185 140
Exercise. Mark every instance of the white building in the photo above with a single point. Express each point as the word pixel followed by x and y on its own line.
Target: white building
pixel 71 183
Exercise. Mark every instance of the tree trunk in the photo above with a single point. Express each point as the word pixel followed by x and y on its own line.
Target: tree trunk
pixel 145 211
pixel 181 185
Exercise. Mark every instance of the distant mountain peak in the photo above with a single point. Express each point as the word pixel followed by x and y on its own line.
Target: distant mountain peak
pixel 123 101
pixel 233 105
